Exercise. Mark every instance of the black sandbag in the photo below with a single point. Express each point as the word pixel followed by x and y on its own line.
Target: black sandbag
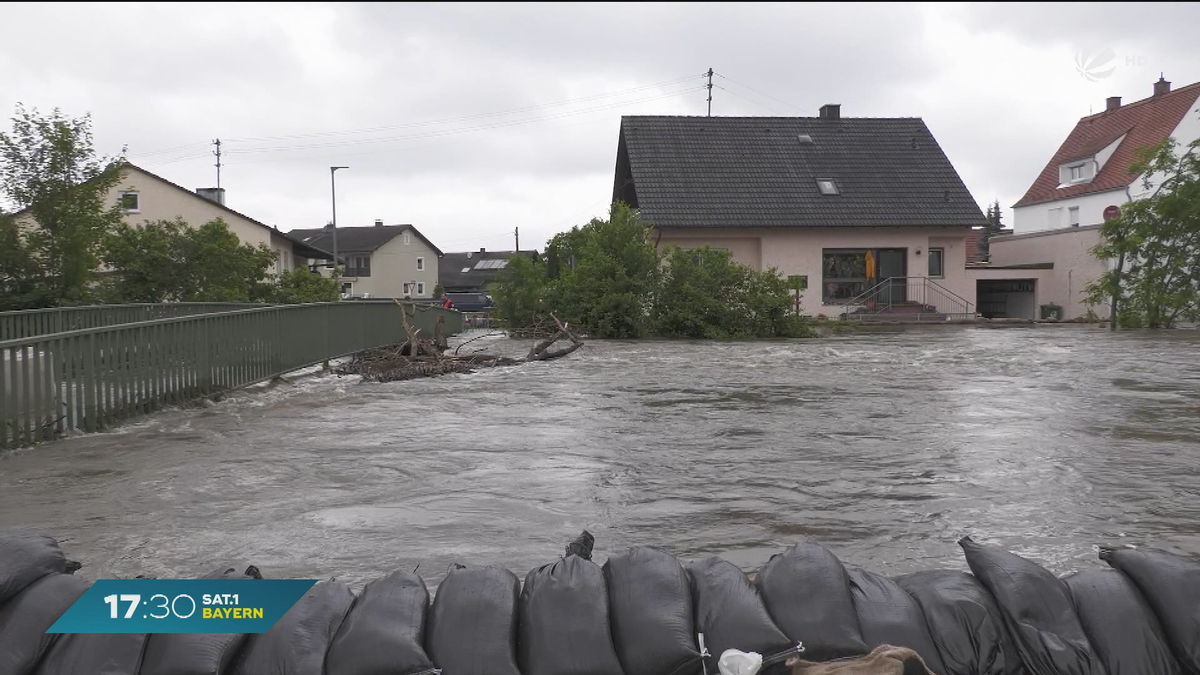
pixel 650 601
pixel 729 612
pixel 297 643
pixel 25 558
pixel 472 628
pixel 94 654
pixel 25 618
pixel 564 625
pixel 384 633
pixel 196 653
pixel 1171 584
pixel 807 591
pixel 1037 609
pixel 888 615
pixel 1120 625
pixel 964 622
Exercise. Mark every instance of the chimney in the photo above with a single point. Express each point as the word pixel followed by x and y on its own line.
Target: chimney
pixel 1162 86
pixel 483 250
pixel 1114 102
pixel 378 222
pixel 831 111
pixel 212 194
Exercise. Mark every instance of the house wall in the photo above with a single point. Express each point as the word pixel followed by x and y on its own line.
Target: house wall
pixel 395 264
pixel 1074 266
pixel 161 201
pixel 798 251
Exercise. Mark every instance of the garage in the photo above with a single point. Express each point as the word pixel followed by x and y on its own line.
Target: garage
pixel 1006 298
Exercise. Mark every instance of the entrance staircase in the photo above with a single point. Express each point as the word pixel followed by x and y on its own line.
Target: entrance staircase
pixel 907 300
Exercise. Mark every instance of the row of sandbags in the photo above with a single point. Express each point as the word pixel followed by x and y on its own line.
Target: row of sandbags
pixel 645 613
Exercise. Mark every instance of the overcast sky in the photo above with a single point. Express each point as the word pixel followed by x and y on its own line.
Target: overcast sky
pixel 470 120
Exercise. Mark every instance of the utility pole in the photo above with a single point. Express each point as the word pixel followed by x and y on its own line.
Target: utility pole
pixel 710 74
pixel 217 152
pixel 517 236
pixel 333 194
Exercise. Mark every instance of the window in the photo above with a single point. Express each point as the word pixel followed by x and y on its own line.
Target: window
pixel 420 288
pixel 937 262
pixel 843 274
pixel 130 202
pixel 358 266
pixel 347 289
pixel 826 186
pixel 420 264
pixel 406 239
pixel 1076 172
pixel 1073 216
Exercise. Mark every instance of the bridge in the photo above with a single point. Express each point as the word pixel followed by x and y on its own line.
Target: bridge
pixel 86 368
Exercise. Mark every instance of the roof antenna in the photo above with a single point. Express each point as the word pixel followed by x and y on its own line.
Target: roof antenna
pixel 710 74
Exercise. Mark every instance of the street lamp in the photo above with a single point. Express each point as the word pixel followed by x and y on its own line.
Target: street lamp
pixel 333 192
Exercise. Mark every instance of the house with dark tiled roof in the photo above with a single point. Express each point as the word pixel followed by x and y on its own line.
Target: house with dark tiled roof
pixel 384 261
pixel 1057 221
pixel 1089 172
pixel 862 212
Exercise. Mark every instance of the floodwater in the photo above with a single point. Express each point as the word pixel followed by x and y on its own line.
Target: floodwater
pixel 884 447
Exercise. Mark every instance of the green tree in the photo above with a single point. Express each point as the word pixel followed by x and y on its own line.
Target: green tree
pixel 50 171
pixel 167 261
pixel 706 294
pixel 18 270
pixel 994 227
pixel 519 293
pixel 1155 282
pixel 301 285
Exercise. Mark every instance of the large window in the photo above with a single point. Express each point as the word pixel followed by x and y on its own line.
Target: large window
pixel 937 262
pixel 358 266
pixel 843 274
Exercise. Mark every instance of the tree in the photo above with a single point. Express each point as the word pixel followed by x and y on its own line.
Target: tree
pixel 300 285
pixel 993 228
pixel 18 269
pixel 519 293
pixel 1156 244
pixel 168 261
pixel 49 170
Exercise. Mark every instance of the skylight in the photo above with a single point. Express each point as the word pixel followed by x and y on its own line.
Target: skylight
pixel 805 139
pixel 827 187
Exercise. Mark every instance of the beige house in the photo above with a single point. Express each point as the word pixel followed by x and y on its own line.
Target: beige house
pixel 145 196
pixel 384 261
pixel 866 214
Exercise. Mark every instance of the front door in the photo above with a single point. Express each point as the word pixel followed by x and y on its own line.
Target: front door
pixel 893 264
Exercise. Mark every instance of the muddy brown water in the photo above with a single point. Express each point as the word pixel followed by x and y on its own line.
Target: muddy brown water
pixel 884 447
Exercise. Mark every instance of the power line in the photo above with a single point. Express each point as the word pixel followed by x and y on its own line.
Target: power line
pixel 759 92
pixel 758 103
pixel 465 118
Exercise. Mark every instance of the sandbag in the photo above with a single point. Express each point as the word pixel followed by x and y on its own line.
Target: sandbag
pixel 384 633
pixel 1171 584
pixel 807 592
pixel 94 654
pixel 25 558
pixel 1037 609
pixel 964 622
pixel 730 614
pixel 473 622
pixel 25 618
pixel 196 653
pixel 650 603
pixel 564 625
pixel 1120 625
pixel 889 616
pixel 297 643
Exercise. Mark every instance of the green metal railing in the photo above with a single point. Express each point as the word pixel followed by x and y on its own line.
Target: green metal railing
pixel 51 385
pixel 32 322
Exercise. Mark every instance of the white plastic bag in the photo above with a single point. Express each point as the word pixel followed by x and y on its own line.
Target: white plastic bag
pixel 734 662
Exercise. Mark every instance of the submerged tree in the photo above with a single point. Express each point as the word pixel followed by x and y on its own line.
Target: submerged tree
pixel 49 170
pixel 1155 243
